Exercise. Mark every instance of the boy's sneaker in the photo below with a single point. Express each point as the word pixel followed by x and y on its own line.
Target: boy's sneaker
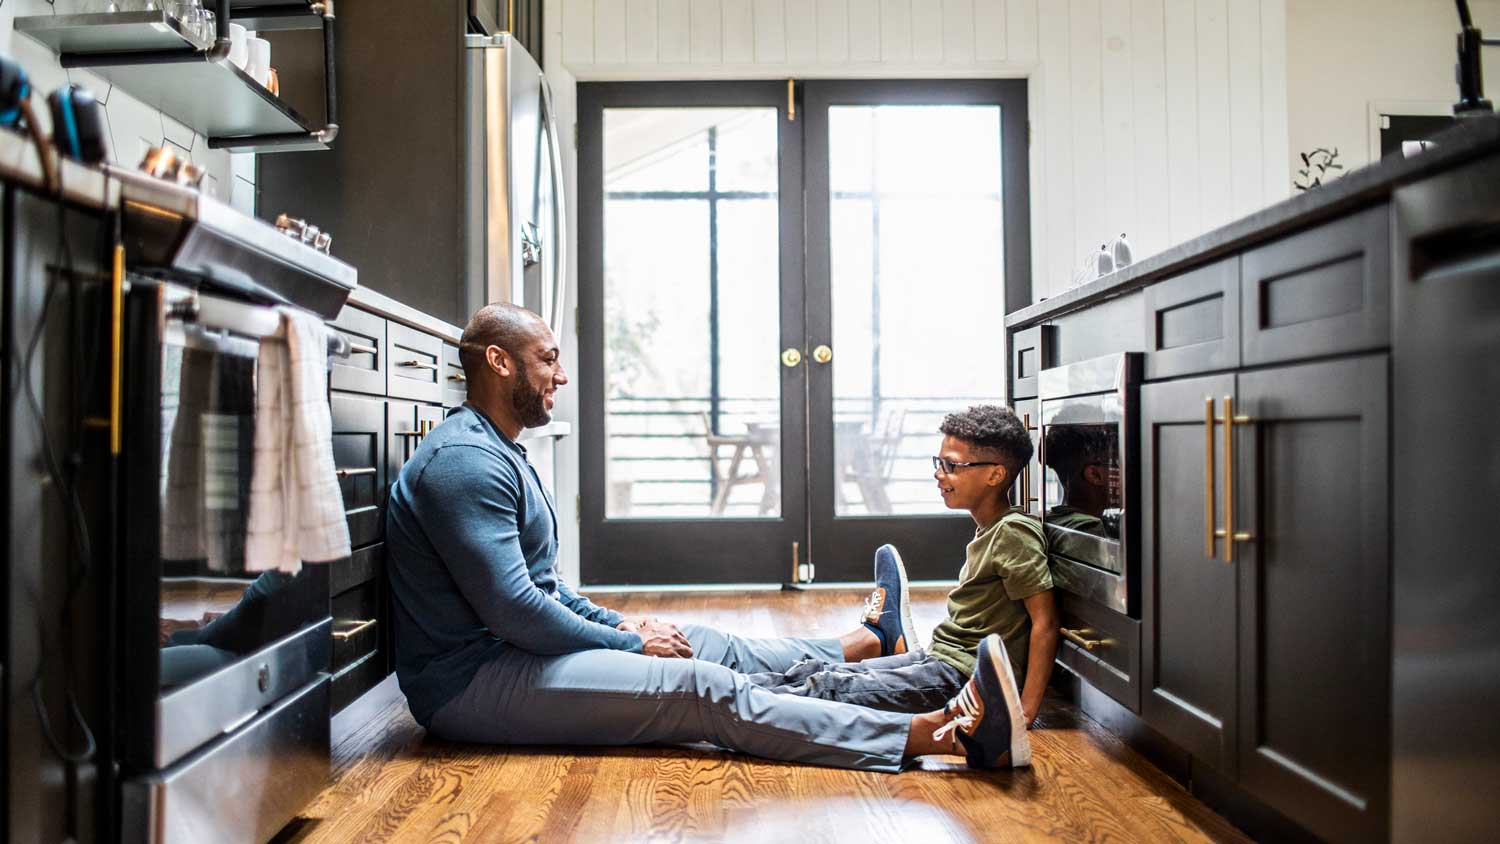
pixel 888 609
pixel 989 722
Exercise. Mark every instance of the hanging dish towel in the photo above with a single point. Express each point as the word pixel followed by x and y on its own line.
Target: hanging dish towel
pixel 296 509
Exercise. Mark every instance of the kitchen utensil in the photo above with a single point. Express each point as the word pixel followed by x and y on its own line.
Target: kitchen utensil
pixel 1119 249
pixel 160 162
pixel 77 124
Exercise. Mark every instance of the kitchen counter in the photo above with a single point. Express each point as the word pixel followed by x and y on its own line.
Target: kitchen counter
pixel 1469 140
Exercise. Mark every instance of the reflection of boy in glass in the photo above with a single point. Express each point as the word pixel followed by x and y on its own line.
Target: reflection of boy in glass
pixel 1082 456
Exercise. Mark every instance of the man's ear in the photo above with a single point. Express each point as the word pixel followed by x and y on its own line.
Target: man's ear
pixel 499 360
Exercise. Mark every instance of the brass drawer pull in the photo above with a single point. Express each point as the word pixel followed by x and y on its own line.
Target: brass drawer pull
pixel 350 473
pixel 458 377
pixel 350 633
pixel 361 349
pixel 1079 638
pixel 1231 536
pixel 1026 499
pixel 416 364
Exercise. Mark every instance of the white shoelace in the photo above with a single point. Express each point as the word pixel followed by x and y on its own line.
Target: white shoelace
pixel 967 704
pixel 872 607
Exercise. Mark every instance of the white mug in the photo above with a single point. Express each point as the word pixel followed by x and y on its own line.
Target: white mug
pixel 259 66
pixel 239 48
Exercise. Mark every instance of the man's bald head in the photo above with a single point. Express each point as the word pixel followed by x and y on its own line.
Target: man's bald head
pixel 511 327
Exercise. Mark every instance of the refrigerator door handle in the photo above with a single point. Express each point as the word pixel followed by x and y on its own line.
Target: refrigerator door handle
pixel 559 214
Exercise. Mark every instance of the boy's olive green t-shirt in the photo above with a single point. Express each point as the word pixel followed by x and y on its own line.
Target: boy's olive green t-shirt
pixel 1005 564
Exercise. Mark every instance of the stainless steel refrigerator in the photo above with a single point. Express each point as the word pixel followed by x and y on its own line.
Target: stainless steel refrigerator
pixel 517 224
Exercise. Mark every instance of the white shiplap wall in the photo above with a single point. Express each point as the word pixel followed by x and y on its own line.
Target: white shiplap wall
pixel 1160 118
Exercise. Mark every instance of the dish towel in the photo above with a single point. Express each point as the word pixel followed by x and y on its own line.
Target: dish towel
pixel 296 509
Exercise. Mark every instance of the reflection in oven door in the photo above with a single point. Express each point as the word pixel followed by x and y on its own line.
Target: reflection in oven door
pixel 1088 419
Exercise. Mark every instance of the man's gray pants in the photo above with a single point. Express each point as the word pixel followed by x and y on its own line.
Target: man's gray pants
pixel 605 697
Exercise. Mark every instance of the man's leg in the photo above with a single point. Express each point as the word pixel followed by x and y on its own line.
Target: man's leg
pixel 755 656
pixel 602 697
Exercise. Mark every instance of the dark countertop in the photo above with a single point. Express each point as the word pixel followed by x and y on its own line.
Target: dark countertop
pixel 1474 138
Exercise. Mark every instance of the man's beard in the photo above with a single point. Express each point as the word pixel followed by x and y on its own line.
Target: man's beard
pixel 530 405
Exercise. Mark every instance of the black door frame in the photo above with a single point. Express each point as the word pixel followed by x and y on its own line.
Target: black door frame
pixel 672 551
pixel 842 547
pixel 677 551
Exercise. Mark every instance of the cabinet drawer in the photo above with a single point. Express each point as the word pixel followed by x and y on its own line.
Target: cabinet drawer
pixel 357 616
pixel 1110 654
pixel 1193 321
pixel 363 566
pixel 1031 351
pixel 364 370
pixel 1322 291
pixel 358 439
pixel 415 364
pixel 455 387
pixel 357 679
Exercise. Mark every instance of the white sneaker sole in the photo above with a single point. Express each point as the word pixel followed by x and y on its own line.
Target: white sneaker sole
pixel 908 628
pixel 1020 742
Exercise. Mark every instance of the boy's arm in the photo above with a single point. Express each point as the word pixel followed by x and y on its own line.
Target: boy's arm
pixel 1042 607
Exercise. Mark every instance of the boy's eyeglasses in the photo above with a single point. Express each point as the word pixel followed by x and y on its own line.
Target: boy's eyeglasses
pixel 946 466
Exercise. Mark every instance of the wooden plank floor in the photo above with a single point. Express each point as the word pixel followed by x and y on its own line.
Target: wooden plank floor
pixel 393 784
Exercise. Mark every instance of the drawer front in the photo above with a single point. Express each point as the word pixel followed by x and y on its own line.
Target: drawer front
pixel 363 566
pixel 1193 321
pixel 357 679
pixel 1027 491
pixel 406 424
pixel 1103 647
pixel 415 364
pixel 455 387
pixel 358 443
pixel 1031 351
pixel 1323 291
pixel 364 370
pixel 357 624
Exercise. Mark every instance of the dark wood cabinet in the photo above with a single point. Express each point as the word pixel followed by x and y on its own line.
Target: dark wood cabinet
pixel 1322 291
pixel 1313 473
pixel 1189 594
pixel 1103 647
pixel 1193 321
pixel 363 371
pixel 1027 492
pixel 455 385
pixel 358 445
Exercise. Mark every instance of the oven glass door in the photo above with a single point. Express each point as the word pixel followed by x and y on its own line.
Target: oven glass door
pixel 1083 501
pixel 215 608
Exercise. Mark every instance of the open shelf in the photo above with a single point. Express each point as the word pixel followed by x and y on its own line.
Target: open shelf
pixel 216 99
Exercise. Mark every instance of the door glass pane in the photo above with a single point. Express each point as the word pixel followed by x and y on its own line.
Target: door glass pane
pixel 918 292
pixel 691 313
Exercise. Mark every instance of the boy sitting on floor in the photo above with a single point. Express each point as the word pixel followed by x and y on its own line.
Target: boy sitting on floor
pixel 1005 588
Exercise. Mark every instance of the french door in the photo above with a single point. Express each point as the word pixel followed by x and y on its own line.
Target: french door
pixel 779 300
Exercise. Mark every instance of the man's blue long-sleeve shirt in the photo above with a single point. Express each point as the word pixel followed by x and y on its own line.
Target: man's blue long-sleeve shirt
pixel 471 539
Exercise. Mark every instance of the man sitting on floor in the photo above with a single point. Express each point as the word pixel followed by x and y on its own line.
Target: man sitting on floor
pixel 492 646
pixel 1005 588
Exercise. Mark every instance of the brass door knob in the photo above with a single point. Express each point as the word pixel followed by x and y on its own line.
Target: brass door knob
pixel 822 354
pixel 791 357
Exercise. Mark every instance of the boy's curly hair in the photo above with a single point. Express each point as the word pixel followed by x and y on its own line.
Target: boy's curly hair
pixel 994 429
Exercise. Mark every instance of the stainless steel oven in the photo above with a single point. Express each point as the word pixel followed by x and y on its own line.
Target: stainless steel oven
pixel 224 681
pixel 1090 485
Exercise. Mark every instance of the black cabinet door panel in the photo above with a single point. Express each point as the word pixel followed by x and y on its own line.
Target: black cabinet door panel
pixel 415 364
pixel 1313 476
pixel 358 441
pixel 1188 593
pixel 1193 321
pixel 363 371
pixel 1109 656
pixel 455 386
pixel 1319 292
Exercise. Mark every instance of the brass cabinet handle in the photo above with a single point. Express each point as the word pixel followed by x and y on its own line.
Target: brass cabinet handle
pixel 350 473
pixel 457 377
pixel 361 626
pixel 1079 638
pixel 823 354
pixel 362 349
pixel 1231 536
pixel 116 346
pixel 791 357
pixel 416 364
pixel 1026 498
pixel 1210 532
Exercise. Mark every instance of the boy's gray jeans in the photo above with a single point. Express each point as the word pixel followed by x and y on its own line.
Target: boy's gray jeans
pixel 605 697
pixel 911 682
